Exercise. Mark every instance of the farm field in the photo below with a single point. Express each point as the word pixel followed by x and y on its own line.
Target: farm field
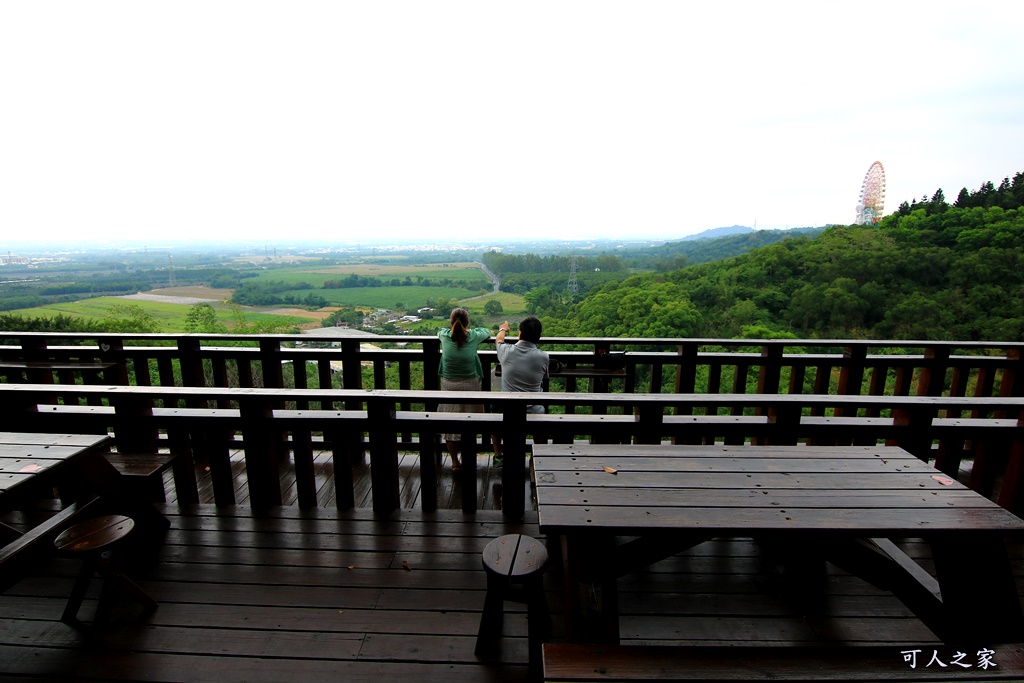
pixel 193 292
pixel 460 270
pixel 169 316
pixel 511 304
pixel 316 276
pixel 412 297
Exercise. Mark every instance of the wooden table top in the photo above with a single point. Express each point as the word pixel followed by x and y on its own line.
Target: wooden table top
pixel 733 490
pixel 24 456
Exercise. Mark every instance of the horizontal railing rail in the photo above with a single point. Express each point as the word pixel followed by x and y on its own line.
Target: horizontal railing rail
pixel 790 366
pixel 270 423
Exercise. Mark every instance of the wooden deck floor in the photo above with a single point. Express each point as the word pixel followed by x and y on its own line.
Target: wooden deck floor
pixel 449 490
pixel 323 595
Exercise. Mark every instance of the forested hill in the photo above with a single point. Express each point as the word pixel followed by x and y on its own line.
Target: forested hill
pixel 930 271
pixel 675 255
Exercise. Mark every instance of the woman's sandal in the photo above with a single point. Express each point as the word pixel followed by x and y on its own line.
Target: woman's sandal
pixel 456 467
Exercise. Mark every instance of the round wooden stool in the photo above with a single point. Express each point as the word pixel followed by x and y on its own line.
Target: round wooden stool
pixel 88 541
pixel 515 568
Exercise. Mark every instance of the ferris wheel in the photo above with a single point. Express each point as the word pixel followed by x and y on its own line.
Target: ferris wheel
pixel 872 196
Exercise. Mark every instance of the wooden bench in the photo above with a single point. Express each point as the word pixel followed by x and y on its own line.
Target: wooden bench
pixel 18 556
pixel 54 365
pixel 569 662
pixel 42 371
pixel 146 469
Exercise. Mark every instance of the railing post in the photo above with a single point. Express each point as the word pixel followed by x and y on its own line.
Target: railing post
pixel 851 376
pixel 191 363
pixel 134 431
pixel 686 369
pixel 260 458
pixel 739 386
pixel 324 380
pixel 352 379
pixel 351 370
pixel 657 369
pixel 786 420
pixel 822 380
pixel 383 454
pixel 769 376
pixel 270 361
pixel 112 351
pixel 599 385
pixel 1011 384
pixel 916 423
pixel 932 379
pixel 192 368
pixel 431 362
pixel 650 423
pixel 1011 494
pixel 513 448
pixel 405 383
pixel 35 348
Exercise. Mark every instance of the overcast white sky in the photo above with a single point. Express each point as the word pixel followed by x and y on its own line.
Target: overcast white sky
pixel 340 120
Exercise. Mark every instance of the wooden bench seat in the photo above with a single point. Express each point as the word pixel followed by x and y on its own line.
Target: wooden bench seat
pixel 145 468
pixel 18 556
pixel 53 365
pixel 568 662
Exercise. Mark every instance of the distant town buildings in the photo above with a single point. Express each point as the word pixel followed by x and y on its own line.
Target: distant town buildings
pixel 31 261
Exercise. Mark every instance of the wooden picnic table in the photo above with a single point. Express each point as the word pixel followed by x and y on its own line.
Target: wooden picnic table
pixel 34 464
pixel 805 504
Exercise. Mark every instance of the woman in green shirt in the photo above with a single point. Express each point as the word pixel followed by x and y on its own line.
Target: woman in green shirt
pixel 460 370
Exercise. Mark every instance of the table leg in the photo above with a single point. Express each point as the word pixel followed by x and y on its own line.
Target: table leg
pixel 591 593
pixel 979 597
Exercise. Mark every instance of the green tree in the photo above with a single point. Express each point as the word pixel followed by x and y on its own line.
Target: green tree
pixel 203 318
pixel 130 318
pixel 493 307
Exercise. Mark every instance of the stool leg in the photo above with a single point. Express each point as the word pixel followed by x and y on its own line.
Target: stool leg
pixel 78 592
pixel 492 617
pixel 106 597
pixel 112 574
pixel 133 589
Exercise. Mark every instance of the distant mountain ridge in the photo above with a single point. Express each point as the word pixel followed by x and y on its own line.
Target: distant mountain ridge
pixel 691 251
pixel 715 233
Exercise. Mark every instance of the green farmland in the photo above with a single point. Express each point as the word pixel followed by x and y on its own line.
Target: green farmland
pixel 387 297
pixel 169 316
pixel 387 273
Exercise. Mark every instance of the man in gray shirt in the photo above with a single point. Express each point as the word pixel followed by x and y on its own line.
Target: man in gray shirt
pixel 524 367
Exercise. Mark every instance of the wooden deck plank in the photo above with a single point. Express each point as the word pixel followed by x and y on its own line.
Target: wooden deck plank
pixel 273 598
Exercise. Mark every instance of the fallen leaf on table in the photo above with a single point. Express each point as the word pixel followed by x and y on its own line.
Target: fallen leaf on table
pixel 405 564
pixel 611 470
pixel 942 480
pixel 351 566
pixel 341 611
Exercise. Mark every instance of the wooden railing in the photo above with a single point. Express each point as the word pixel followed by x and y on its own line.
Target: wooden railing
pixel 987 430
pixel 950 402
pixel 842 367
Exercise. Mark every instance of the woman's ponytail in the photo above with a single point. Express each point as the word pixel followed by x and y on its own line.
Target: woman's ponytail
pixel 460 326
